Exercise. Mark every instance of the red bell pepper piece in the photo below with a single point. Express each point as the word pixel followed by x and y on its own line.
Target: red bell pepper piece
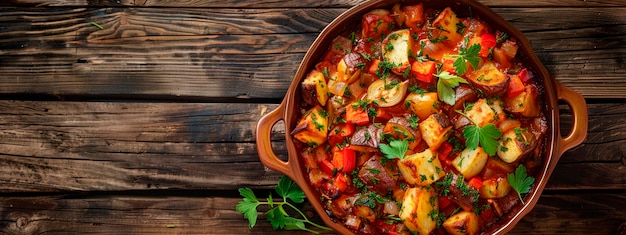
pixel 524 75
pixel 344 160
pixel 356 115
pixel 326 166
pixel 339 133
pixel 487 42
pixel 424 71
pixel 444 151
pixel 476 182
pixel 341 182
pixel 515 87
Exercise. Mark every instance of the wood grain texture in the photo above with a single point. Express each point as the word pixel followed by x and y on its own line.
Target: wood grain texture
pixel 226 53
pixel 101 146
pixel 295 4
pixel 590 213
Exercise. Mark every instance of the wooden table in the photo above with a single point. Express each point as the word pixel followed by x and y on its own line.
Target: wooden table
pixel 147 125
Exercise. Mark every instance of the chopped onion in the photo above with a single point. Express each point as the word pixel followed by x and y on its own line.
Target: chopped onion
pixel 386 96
pixel 391 207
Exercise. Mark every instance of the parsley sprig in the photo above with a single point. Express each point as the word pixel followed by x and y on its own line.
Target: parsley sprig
pixel 446 84
pixel 276 215
pixel 487 136
pixel 520 181
pixel 395 149
pixel 466 54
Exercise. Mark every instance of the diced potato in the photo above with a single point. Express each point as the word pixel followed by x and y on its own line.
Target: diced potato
pixel 417 207
pixel 396 49
pixel 489 79
pixel 482 113
pixel 312 129
pixel 435 130
pixel 314 89
pixel 514 144
pixel 495 188
pixel 470 162
pixel 421 169
pixel 525 103
pixel 464 222
pixel 422 105
pixel 445 26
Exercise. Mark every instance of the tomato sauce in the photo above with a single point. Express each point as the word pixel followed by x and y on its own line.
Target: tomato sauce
pixel 420 121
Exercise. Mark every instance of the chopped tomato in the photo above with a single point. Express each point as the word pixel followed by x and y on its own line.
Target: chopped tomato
pixel 515 86
pixel 424 71
pixel 444 201
pixel 356 115
pixel 487 42
pixel 476 182
pixel 339 133
pixel 444 151
pixel 373 69
pixel 344 160
pixel 414 16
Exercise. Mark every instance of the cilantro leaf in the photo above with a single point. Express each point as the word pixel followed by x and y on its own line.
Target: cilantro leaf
pixel 446 84
pixel 288 189
pixel 395 149
pixel 248 206
pixel 520 181
pixel 487 136
pixel 467 55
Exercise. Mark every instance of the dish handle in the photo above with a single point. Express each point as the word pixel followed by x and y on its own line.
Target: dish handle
pixel 264 142
pixel 577 103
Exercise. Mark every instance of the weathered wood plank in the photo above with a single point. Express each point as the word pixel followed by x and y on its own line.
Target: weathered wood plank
pixel 297 4
pixel 59 146
pixel 226 53
pixel 589 213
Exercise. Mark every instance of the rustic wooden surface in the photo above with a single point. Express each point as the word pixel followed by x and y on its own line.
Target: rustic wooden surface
pixel 147 126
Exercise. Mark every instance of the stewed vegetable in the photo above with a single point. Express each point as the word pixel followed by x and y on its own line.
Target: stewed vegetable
pixel 421 122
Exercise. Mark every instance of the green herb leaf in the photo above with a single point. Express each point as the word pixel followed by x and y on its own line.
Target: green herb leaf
pixel 395 149
pixel 467 55
pixel 276 215
pixel 487 136
pixel 520 181
pixel 288 189
pixel 446 84
pixel 248 206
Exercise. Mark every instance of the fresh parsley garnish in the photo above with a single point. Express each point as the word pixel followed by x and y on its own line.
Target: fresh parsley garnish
pixel 520 181
pixel 395 149
pixel 276 215
pixel 466 54
pixel 487 136
pixel 445 85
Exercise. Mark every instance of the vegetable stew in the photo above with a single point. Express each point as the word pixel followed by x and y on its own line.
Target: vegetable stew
pixel 420 121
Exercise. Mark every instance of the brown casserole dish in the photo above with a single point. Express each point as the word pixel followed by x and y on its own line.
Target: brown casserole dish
pixel 554 144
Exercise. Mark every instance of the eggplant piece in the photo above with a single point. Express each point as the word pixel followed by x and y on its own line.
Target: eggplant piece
pixel 396 48
pixel 463 94
pixel 399 128
pixel 462 223
pixel 490 80
pixel 366 139
pixel 515 144
pixel 462 193
pixel 435 130
pixel 314 89
pixel 376 177
pixel 348 70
